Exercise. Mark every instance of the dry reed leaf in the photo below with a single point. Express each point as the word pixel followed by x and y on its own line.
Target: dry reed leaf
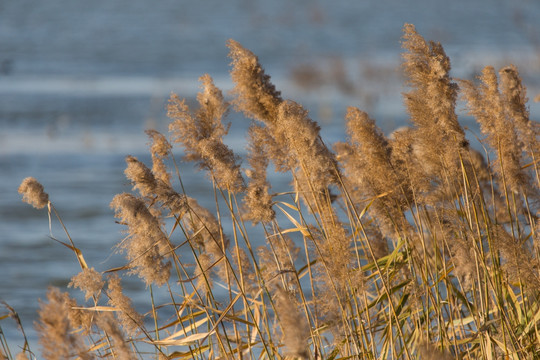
pixel 189 354
pixel 533 323
pixel 175 322
pixel 257 317
pixel 461 321
pixel 99 344
pixel 188 317
pixel 97 308
pixel 200 336
pixel 299 227
pixel 188 340
pixel 365 209
pixel 77 252
pixel 189 328
pixel 293 207
pixel 303 230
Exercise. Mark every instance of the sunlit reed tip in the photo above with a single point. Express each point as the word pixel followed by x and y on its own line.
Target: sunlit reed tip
pixel 33 193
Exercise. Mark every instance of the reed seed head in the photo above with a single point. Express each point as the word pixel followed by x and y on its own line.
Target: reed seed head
pixel 88 280
pixel 254 94
pixel 130 319
pixel 146 245
pixel 160 149
pixel 201 135
pixel 109 325
pixel 33 193
pixel 294 327
pixel 56 337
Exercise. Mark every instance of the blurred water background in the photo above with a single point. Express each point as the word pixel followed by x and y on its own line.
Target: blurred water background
pixel 80 81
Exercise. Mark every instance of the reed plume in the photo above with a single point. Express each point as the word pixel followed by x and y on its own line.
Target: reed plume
pixel 130 319
pixel 88 280
pixel 33 193
pixel 294 328
pixel 518 262
pixel 367 161
pixel 486 104
pixel 20 356
pixel 257 199
pixel 431 103
pixel 57 339
pixel 141 176
pixel 154 187
pixel 160 149
pixel 120 347
pixel 257 98
pixel 254 94
pixel 202 273
pixel 146 245
pixel 310 155
pixel 276 261
pixel 206 233
pixel 515 99
pixel 201 135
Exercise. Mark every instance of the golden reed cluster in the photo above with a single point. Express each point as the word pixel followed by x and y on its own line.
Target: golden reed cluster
pixel 408 246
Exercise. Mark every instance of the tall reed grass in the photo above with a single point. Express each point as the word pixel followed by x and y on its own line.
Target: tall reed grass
pixel 411 246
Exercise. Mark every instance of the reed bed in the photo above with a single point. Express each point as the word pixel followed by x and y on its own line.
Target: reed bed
pixel 408 246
